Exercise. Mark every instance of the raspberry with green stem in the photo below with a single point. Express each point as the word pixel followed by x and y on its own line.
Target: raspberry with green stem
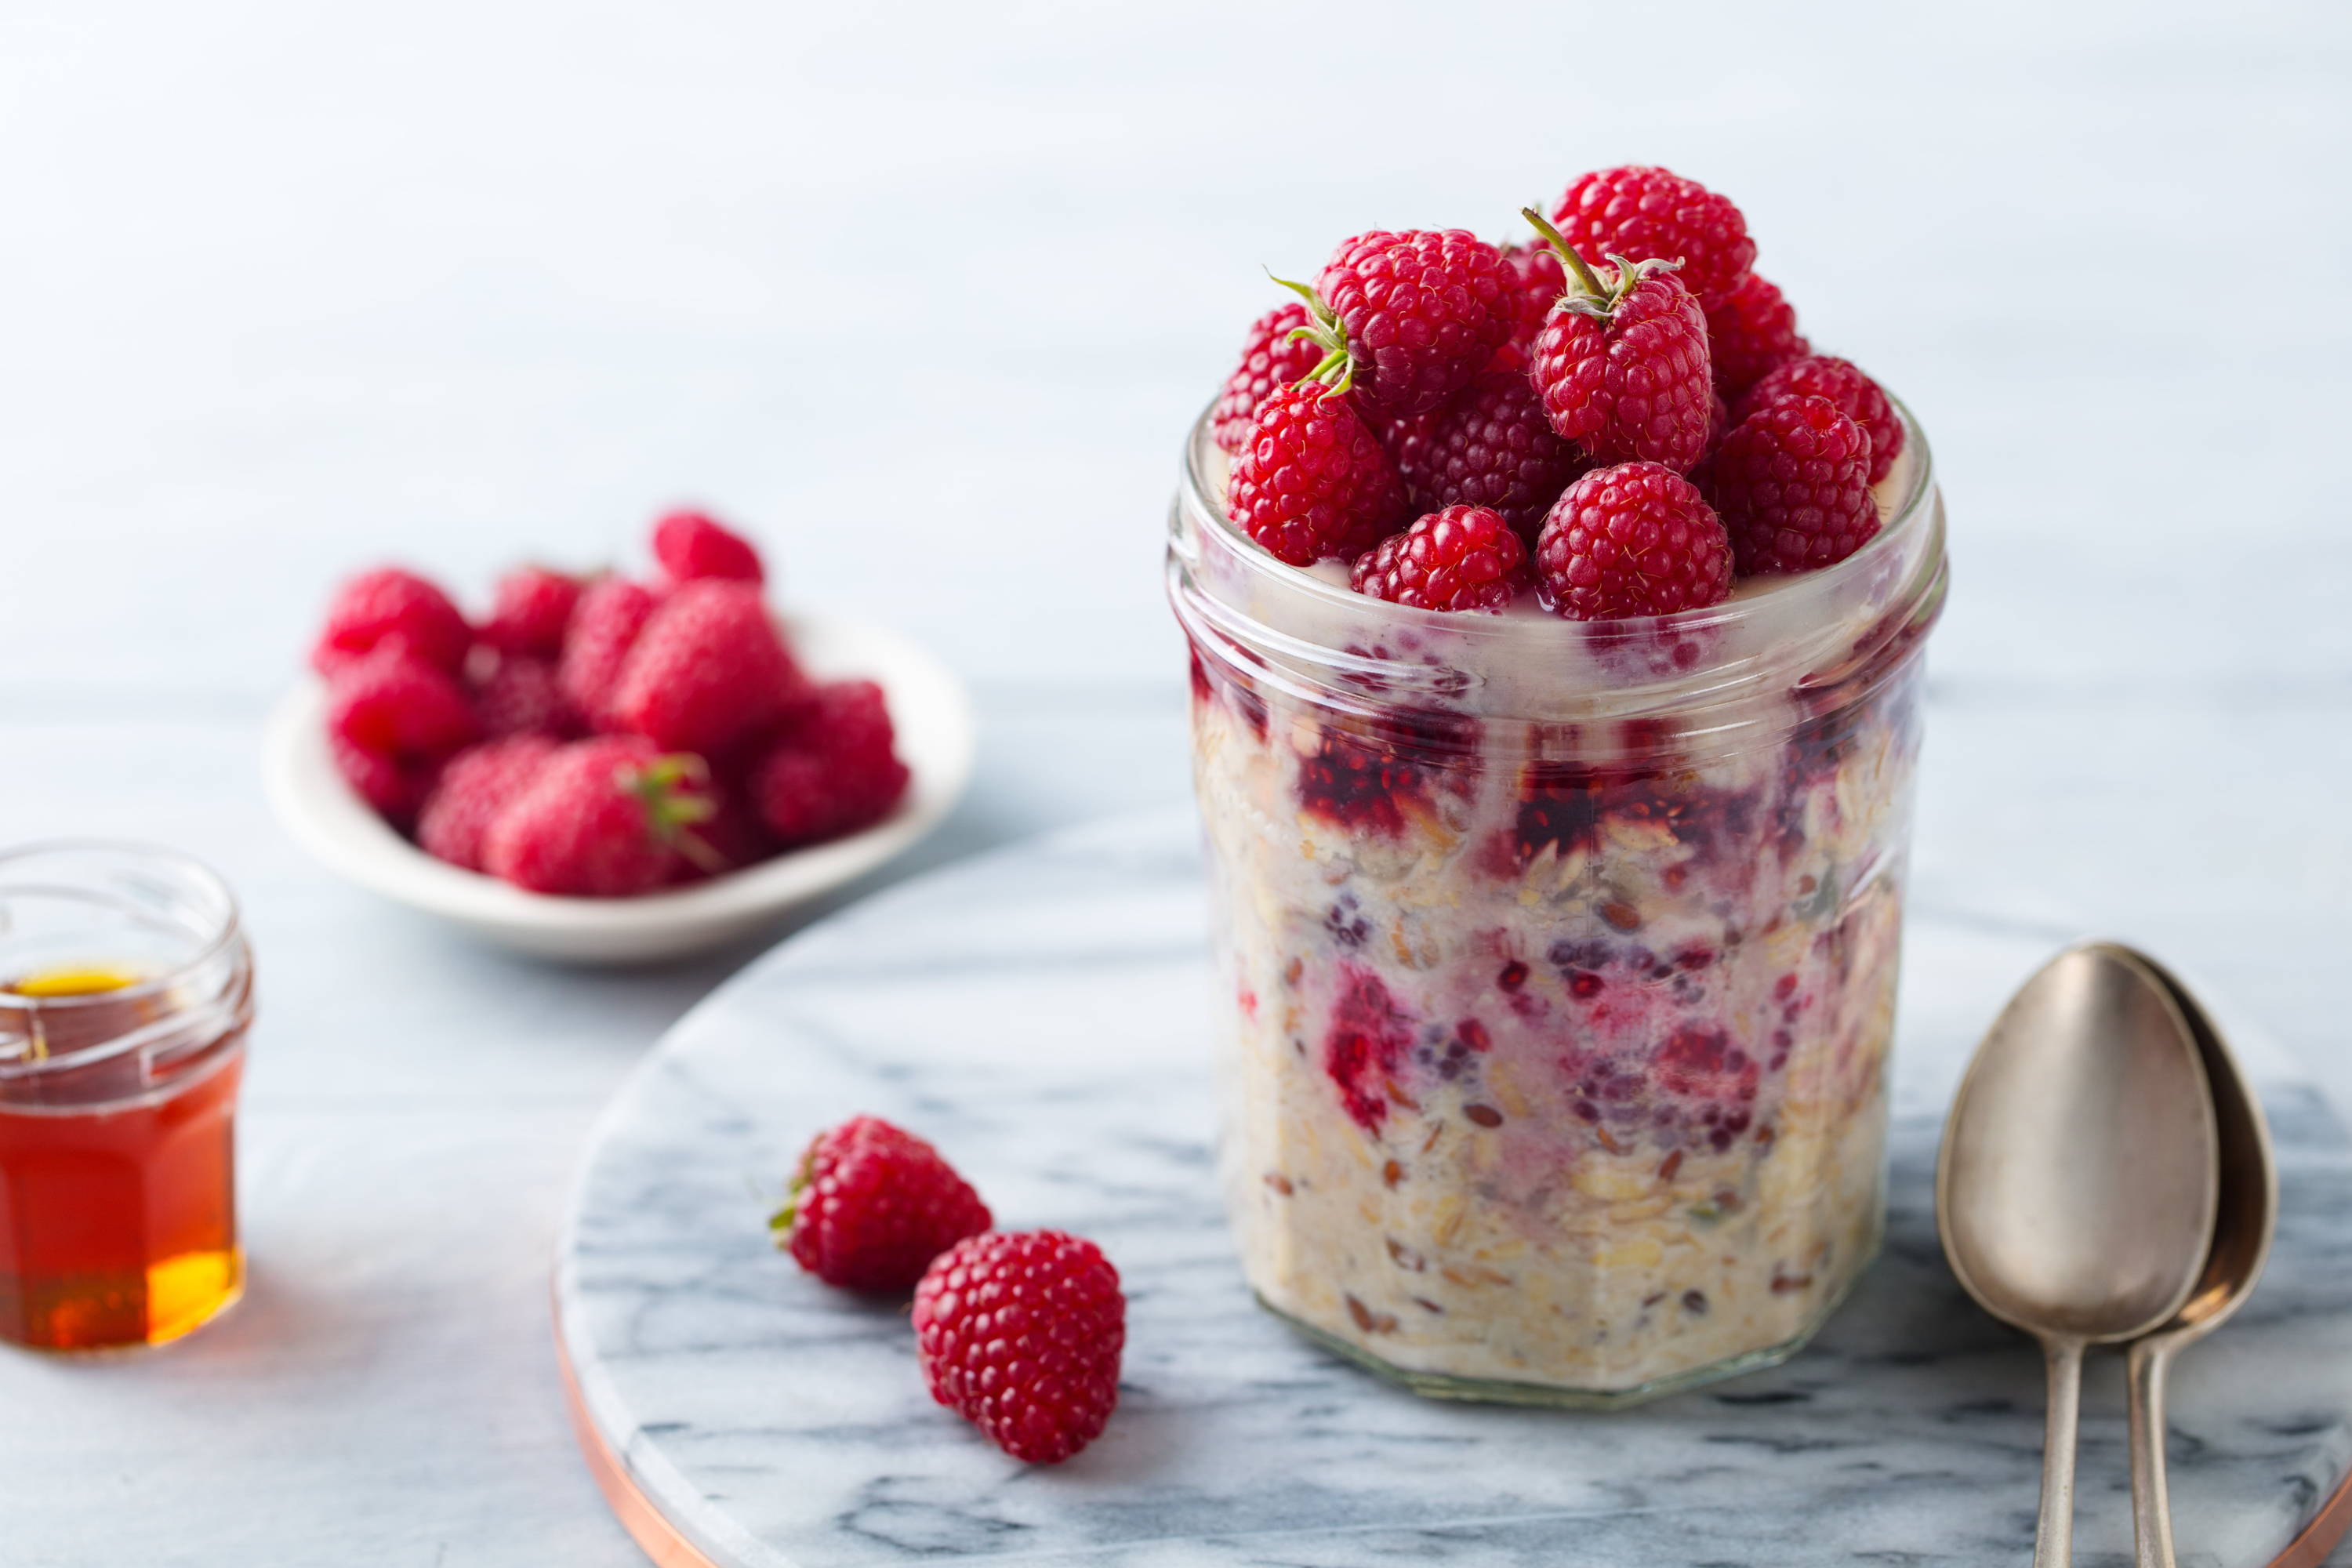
pixel 1337 369
pixel 674 792
pixel 1621 362
pixel 1406 318
pixel 1590 296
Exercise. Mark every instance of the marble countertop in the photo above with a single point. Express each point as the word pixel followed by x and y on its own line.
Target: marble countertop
pixel 1052 1042
pixel 926 297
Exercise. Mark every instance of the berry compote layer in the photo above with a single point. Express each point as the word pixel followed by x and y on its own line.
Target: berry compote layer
pixel 1560 959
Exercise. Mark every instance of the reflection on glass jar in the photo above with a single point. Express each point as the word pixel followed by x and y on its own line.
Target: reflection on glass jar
pixel 1560 959
pixel 126 989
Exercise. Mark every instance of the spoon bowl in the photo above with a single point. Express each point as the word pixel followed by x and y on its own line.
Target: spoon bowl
pixel 2245 1215
pixel 2077 1188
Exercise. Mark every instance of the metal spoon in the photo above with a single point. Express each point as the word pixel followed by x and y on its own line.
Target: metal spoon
pixel 2077 1187
pixel 2243 1223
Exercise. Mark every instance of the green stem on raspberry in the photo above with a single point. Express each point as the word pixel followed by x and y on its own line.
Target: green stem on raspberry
pixel 1326 334
pixel 672 814
pixel 781 1222
pixel 1576 264
pixel 698 850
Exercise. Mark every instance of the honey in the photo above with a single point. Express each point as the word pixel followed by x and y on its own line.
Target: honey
pixel 118 1220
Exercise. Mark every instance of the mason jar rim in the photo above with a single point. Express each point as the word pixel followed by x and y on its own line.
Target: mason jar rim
pixel 222 929
pixel 1917 504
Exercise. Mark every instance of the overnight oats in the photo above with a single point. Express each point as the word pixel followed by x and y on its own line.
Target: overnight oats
pixel 1554 721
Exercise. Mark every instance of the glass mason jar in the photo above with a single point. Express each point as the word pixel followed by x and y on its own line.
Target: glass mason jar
pixel 126 990
pixel 1557 959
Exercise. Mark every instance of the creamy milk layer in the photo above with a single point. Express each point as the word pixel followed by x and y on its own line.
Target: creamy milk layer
pixel 1557 1048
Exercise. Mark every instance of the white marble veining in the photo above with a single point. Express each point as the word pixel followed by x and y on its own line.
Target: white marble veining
pixel 1042 1015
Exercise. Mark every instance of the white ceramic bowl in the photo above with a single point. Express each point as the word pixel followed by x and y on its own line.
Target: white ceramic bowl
pixel 928 706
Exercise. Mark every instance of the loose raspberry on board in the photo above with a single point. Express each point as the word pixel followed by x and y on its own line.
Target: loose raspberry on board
pixel 871 1204
pixel 1022 1334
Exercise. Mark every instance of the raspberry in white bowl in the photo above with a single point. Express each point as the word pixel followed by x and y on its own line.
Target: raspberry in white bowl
pixel 1558 891
pixel 611 769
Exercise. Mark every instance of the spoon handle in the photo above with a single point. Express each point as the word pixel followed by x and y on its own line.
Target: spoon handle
pixel 2151 1505
pixel 2054 1538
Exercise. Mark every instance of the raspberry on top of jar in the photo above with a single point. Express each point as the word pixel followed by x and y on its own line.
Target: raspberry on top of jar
pixel 1553 721
pixel 1624 393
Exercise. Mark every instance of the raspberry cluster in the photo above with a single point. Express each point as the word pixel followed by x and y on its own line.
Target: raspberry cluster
pixel 1625 393
pixel 1019 1332
pixel 601 737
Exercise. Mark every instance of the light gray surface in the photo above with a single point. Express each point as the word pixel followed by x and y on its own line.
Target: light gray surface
pixel 1052 1042
pixel 928 298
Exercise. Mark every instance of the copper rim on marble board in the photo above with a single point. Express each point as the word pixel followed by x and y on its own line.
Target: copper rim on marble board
pixel 652 1531
pixel 645 1523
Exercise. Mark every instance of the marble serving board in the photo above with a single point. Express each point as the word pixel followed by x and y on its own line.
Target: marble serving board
pixel 1043 1014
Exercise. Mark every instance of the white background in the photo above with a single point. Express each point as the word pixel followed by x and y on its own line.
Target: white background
pixel 925 298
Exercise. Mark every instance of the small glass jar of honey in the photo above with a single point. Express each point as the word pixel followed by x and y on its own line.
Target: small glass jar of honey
pixel 126 990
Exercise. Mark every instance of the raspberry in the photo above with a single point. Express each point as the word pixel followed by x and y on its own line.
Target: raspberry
pixel 1621 365
pixel 733 834
pixel 391 789
pixel 394 705
pixel 391 604
pixel 834 771
pixel 871 1206
pixel 1491 446
pixel 1400 436
pixel 1636 540
pixel 1271 358
pixel 1752 332
pixel 1703 1064
pixel 1463 558
pixel 1537 279
pixel 1792 484
pixel 476 785
pixel 1862 399
pixel 1369 1040
pixel 532 607
pixel 1416 314
pixel 604 819
pixel 1312 481
pixel 1649 214
pixel 522 696
pixel 691 545
pixel 1021 1334
pixel 606 625
pixel 708 668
